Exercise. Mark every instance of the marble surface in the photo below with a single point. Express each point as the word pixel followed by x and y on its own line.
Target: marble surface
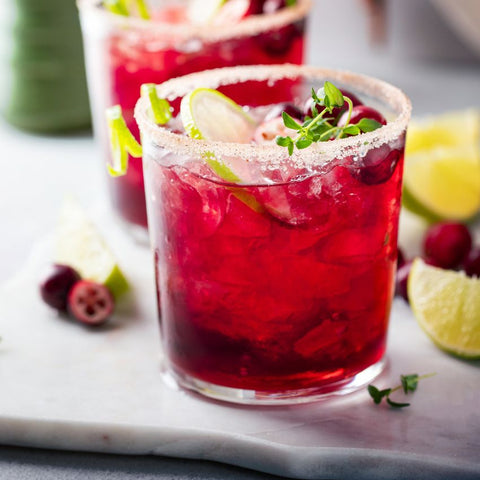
pixel 68 387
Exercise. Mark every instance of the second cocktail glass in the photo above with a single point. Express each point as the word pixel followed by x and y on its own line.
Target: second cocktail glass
pixel 122 53
pixel 275 288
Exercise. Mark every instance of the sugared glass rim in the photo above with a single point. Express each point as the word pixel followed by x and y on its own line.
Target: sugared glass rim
pixel 252 25
pixel 273 154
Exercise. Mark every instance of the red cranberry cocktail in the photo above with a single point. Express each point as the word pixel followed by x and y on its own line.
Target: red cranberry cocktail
pixel 275 285
pixel 124 52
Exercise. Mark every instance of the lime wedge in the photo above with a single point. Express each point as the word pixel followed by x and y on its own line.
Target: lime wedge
pixel 443 183
pixel 79 244
pixel 446 305
pixel 448 129
pixel 209 115
pixel 203 11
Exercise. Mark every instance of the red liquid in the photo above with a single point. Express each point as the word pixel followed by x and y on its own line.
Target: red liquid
pixel 133 61
pixel 293 298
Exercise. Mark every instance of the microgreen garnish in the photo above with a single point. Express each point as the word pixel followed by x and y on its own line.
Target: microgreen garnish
pixel 291 3
pixel 160 108
pixel 122 7
pixel 122 142
pixel 408 383
pixel 321 127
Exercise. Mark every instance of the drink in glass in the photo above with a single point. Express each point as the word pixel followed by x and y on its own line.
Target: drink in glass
pixel 276 287
pixel 123 52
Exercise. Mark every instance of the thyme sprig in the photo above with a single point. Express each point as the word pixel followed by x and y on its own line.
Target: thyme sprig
pixel 321 125
pixel 408 383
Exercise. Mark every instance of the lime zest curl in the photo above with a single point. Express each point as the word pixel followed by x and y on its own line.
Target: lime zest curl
pixel 161 111
pixel 122 7
pixel 122 142
pixel 118 7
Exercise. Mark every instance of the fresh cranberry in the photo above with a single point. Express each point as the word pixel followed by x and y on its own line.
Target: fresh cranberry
pixel 400 258
pixel 471 264
pixel 401 280
pixel 278 42
pixel 359 112
pixel 255 7
pixel 447 244
pixel 55 285
pixel 279 108
pixel 336 112
pixel 90 303
pixel 377 166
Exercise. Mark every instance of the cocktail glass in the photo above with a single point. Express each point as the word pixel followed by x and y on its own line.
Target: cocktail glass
pixel 276 289
pixel 122 53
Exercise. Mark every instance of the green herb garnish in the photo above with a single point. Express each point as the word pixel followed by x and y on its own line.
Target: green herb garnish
pixel 321 127
pixel 408 383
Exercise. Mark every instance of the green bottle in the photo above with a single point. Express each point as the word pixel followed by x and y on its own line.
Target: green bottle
pixel 48 89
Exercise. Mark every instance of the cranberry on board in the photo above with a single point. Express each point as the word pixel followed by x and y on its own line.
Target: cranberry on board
pixel 90 303
pixel 359 112
pixel 447 244
pixel 471 264
pixel 55 284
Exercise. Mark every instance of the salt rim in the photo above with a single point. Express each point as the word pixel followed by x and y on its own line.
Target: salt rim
pixel 252 25
pixel 273 154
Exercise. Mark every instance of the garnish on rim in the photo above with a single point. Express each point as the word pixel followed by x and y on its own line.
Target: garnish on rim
pixel 122 141
pixel 122 7
pixel 320 127
pixel 408 383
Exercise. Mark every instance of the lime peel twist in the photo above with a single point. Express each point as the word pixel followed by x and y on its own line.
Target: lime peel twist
pixel 122 142
pixel 122 7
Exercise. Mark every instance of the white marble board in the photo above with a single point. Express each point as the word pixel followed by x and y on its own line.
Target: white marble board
pixel 67 387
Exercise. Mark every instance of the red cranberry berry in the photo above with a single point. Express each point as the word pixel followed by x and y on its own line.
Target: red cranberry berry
pixel 471 264
pixel 359 112
pixel 279 108
pixel 401 280
pixel 377 166
pixel 55 284
pixel 255 7
pixel 447 244
pixel 90 303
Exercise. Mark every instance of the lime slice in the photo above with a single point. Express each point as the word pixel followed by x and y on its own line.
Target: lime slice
pixel 443 183
pixel 209 115
pixel 448 129
pixel 446 305
pixel 79 244
pixel 203 11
